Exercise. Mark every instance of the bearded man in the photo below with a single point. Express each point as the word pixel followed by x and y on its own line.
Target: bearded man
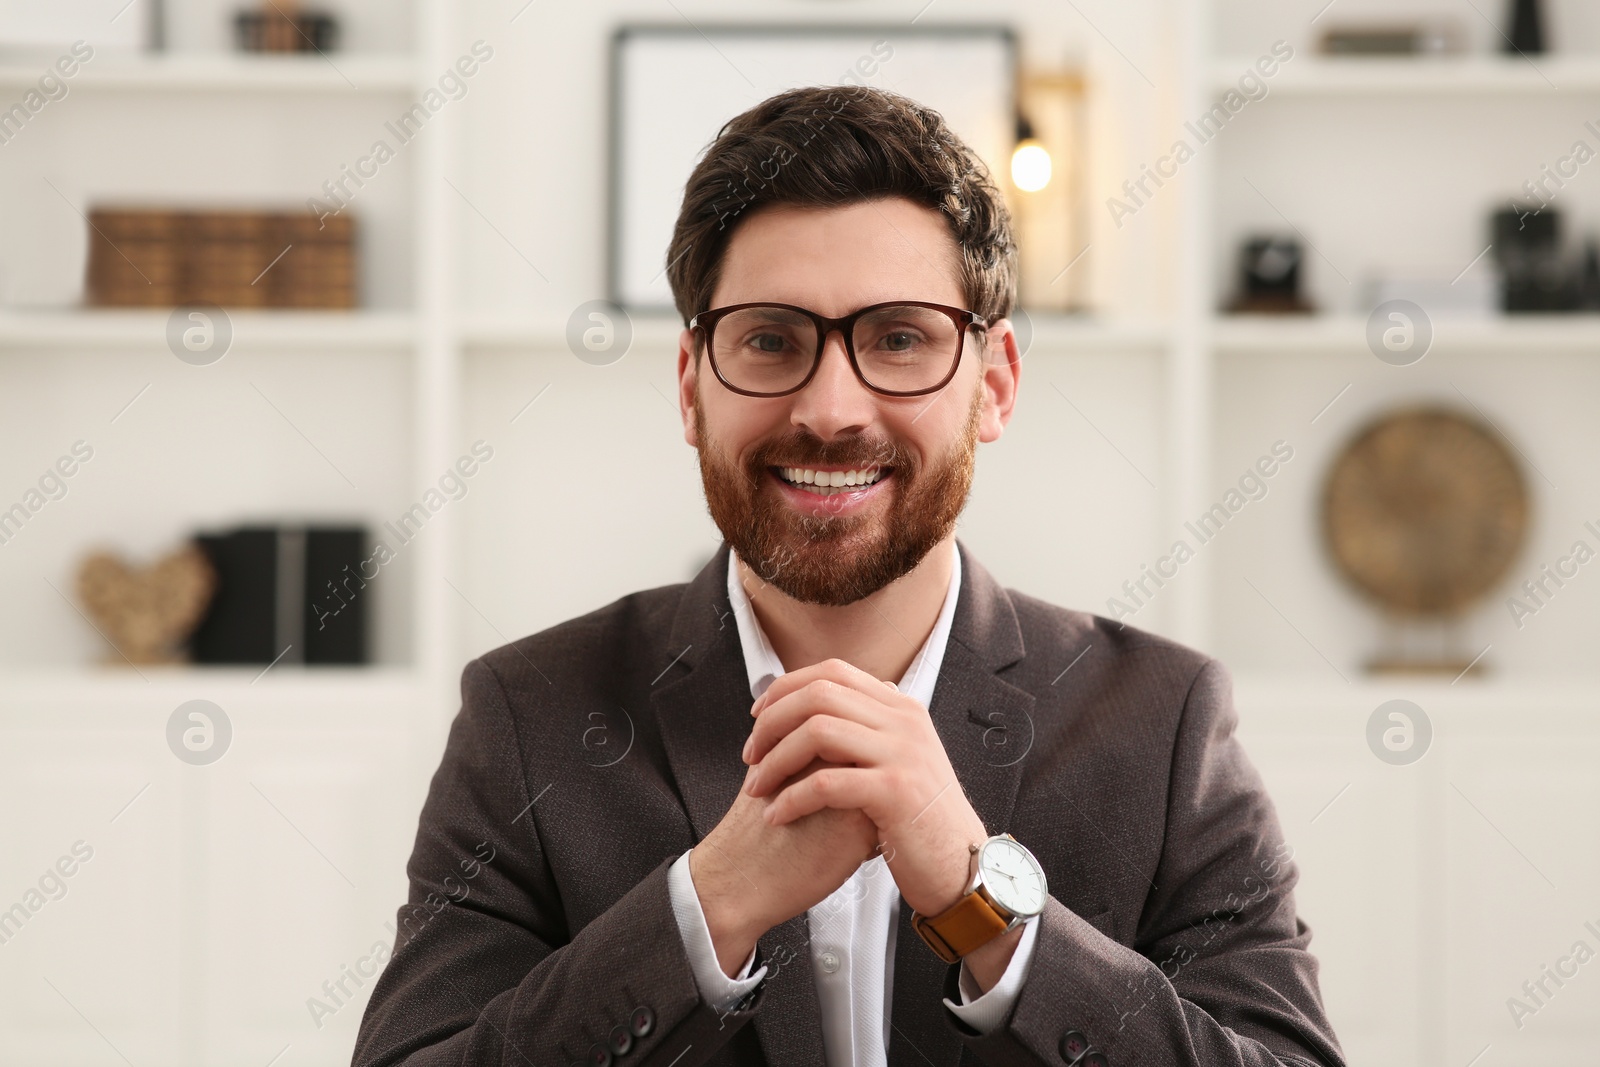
pixel 864 806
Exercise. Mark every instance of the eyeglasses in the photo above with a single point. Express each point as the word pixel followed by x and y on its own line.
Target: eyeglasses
pixel 899 348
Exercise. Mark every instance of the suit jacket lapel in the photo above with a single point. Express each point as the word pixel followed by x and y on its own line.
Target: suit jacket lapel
pixel 702 706
pixel 986 725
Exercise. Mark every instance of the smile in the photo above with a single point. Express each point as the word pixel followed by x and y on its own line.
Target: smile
pixel 830 483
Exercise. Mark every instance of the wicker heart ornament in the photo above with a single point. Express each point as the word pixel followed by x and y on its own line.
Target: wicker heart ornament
pixel 148 612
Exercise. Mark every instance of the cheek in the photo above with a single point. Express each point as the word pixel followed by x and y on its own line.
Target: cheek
pixel 932 435
pixel 736 429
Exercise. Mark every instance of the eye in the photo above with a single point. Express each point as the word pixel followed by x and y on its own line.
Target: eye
pixel 900 340
pixel 767 342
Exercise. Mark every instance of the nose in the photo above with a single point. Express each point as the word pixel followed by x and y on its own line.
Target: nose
pixel 835 402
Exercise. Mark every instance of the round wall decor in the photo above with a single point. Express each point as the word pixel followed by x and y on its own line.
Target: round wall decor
pixel 1425 511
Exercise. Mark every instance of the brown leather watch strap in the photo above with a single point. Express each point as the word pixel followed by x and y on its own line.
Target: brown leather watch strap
pixel 967 925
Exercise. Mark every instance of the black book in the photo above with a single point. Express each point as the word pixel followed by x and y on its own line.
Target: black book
pixel 335 619
pixel 239 626
pixel 285 595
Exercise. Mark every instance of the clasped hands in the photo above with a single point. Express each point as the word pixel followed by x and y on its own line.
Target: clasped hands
pixel 842 766
pixel 881 755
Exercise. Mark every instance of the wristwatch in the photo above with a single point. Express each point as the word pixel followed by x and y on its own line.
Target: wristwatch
pixel 1007 888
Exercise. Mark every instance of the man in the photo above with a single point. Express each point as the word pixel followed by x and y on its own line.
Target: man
pixel 622 859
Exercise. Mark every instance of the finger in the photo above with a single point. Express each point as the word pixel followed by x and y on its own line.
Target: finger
pixel 835 670
pixel 821 697
pixel 786 683
pixel 825 737
pixel 842 788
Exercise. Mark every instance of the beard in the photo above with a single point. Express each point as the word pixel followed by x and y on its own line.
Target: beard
pixel 834 559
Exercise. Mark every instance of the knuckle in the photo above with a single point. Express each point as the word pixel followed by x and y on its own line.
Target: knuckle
pixel 818 694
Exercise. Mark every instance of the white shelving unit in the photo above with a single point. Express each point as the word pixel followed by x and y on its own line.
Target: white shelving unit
pixel 1393 164
pixel 282 860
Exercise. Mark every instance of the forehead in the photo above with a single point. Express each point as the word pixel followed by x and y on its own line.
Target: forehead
pixel 836 259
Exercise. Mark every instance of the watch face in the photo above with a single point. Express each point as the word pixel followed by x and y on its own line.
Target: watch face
pixel 1013 877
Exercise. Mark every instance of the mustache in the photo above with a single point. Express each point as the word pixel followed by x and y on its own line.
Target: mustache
pixel 802 449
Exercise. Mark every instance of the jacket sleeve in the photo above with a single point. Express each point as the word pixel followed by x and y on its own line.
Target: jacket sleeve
pixel 1219 973
pixel 484 969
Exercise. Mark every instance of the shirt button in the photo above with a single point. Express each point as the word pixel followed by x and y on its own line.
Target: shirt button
pixel 830 962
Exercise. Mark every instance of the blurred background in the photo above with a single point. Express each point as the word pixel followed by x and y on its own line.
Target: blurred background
pixel 335 350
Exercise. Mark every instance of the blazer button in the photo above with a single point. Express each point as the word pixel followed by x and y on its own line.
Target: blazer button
pixel 1073 1045
pixel 1094 1059
pixel 642 1021
pixel 621 1040
pixel 598 1056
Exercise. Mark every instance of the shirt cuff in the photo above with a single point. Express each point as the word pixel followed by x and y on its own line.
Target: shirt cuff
pixel 985 1011
pixel 718 990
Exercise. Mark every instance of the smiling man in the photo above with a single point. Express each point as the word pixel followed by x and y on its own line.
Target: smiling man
pixel 842 800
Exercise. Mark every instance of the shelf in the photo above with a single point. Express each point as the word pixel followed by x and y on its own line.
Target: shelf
pixel 1420 75
pixel 339 72
pixel 657 331
pixel 1493 704
pixel 353 687
pixel 254 329
pixel 1266 335
pixel 1074 333
pixel 1052 332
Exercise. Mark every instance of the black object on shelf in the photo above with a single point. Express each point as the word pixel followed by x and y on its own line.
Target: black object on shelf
pixel 1536 275
pixel 1269 276
pixel 239 626
pixel 1589 277
pixel 290 592
pixel 335 609
pixel 1527 27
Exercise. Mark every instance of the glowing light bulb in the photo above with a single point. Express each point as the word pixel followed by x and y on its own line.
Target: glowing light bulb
pixel 1030 166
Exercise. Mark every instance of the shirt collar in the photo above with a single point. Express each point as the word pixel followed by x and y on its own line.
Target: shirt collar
pixel 763 666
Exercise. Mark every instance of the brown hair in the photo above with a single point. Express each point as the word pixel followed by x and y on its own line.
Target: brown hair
pixel 828 147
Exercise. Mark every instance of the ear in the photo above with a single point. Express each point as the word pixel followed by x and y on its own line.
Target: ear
pixel 1002 375
pixel 688 374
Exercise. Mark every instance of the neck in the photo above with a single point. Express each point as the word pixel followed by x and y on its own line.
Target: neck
pixel 879 634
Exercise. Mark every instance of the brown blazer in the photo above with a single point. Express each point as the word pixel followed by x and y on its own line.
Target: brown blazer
pixel 588 757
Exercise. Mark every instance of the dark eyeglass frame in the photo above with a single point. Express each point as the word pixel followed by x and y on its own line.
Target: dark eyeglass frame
pixel 705 324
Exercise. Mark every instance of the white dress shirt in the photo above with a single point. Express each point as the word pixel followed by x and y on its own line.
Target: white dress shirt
pixel 853 931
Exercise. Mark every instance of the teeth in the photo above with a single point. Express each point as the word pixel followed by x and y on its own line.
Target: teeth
pixel 831 479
